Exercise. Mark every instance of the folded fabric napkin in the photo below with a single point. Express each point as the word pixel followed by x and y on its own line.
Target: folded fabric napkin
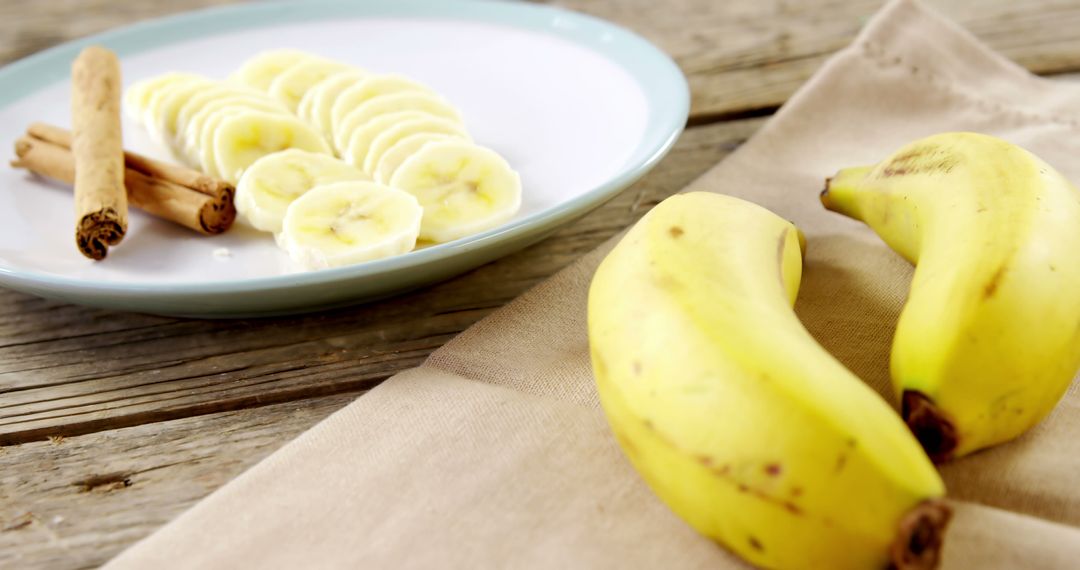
pixel 495 452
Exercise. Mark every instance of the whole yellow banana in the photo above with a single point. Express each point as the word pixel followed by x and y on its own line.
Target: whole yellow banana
pixel 731 411
pixel 989 338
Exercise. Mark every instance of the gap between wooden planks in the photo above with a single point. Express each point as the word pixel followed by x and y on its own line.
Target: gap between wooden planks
pixel 75 503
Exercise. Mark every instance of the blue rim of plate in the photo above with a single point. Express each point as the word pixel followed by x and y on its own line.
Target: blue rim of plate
pixel 660 78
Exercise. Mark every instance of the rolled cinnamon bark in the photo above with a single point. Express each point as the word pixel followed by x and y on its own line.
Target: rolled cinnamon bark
pixel 153 168
pixel 100 198
pixel 201 212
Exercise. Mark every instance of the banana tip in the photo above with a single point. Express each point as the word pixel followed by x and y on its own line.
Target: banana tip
pixel 824 196
pixel 921 535
pixel 931 426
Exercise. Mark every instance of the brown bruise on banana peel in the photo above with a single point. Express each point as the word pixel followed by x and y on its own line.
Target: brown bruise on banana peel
pixel 992 284
pixel 927 159
pixel 920 536
pixel 841 460
pixel 724 472
pixel 932 427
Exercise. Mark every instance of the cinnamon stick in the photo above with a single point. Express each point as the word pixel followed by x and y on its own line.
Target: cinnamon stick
pixel 153 168
pixel 165 199
pixel 100 198
pixel 208 219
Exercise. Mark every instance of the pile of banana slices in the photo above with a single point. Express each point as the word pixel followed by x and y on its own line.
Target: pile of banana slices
pixel 340 164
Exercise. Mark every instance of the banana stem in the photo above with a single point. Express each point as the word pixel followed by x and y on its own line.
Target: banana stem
pixel 934 430
pixel 922 532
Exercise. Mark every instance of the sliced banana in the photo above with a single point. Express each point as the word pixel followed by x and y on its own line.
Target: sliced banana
pixel 202 152
pixel 391 136
pixel 159 117
pixel 316 105
pixel 205 158
pixel 216 92
pixel 349 222
pixel 243 138
pixel 403 149
pixel 369 88
pixel 137 97
pixel 290 86
pixel 394 102
pixel 260 71
pixel 271 183
pixel 463 188
pixel 190 138
pixel 356 148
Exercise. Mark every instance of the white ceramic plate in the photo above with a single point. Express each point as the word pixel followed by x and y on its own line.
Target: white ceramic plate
pixel 580 107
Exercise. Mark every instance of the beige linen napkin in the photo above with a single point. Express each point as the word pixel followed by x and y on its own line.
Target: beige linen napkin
pixel 495 453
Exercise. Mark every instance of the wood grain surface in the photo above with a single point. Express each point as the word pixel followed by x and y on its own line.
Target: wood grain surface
pixel 88 497
pixel 108 370
pixel 113 423
pixel 747 57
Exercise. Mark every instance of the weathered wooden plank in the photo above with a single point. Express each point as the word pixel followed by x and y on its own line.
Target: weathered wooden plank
pixel 27 27
pixel 748 56
pixel 67 370
pixel 86 498
pixel 741 57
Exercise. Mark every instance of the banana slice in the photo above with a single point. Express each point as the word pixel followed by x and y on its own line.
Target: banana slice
pixel 137 97
pixel 405 101
pixel 290 86
pixel 402 150
pixel 201 147
pixel 463 188
pixel 190 139
pixel 271 183
pixel 188 135
pixel 316 105
pixel 356 148
pixel 391 136
pixel 367 89
pixel 303 109
pixel 216 92
pixel 349 222
pixel 160 114
pixel 260 71
pixel 205 158
pixel 244 138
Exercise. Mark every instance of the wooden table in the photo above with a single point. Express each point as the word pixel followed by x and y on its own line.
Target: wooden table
pixel 111 423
